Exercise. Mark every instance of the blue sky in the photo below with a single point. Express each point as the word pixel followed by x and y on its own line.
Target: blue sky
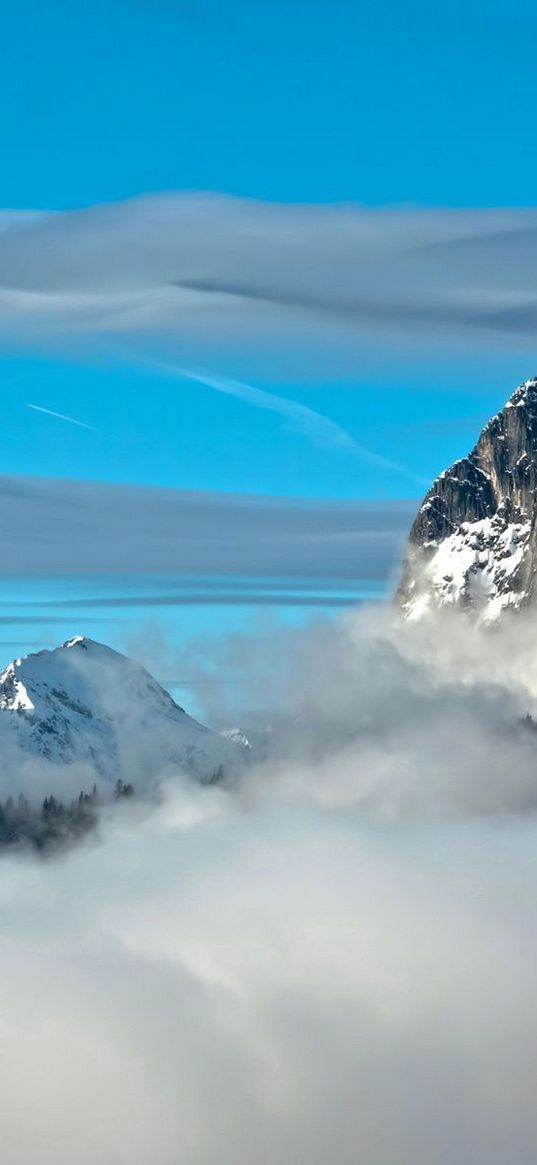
pixel 146 429
pixel 293 101
pixel 312 100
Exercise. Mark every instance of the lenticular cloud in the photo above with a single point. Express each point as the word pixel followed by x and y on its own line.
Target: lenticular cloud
pixel 195 276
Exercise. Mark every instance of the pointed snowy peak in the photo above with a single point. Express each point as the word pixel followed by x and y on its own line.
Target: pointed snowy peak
pixel 473 540
pixel 524 396
pixel 83 702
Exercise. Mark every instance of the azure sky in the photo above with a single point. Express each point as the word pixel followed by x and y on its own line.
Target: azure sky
pixel 296 102
pixel 292 100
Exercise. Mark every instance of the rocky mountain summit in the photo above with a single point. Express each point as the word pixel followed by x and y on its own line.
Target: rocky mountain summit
pixel 84 704
pixel 473 543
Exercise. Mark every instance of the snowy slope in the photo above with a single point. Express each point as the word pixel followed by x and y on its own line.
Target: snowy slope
pixel 84 703
pixel 473 543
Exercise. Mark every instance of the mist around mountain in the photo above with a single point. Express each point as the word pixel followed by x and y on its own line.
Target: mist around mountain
pixel 82 726
pixel 269 969
pixel 329 952
pixel 88 705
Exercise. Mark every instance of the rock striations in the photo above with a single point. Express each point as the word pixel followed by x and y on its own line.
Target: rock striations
pixel 473 543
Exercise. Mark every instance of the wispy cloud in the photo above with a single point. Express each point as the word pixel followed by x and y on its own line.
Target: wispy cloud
pixel 212 283
pixel 63 417
pixel 315 426
pixel 219 284
pixel 318 428
pixel 189 273
pixel 70 528
pixel 204 597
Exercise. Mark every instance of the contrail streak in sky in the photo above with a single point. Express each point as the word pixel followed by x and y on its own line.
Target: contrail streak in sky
pixel 63 417
pixel 318 428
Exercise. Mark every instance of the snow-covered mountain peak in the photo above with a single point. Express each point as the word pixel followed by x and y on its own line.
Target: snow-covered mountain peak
pixel 80 672
pixel 473 542
pixel 525 394
pixel 84 702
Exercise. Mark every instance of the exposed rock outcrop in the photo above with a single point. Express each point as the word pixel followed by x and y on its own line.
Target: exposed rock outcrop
pixel 474 539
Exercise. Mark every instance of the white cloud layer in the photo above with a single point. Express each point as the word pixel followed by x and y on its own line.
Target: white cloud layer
pixel 334 961
pixel 64 527
pixel 193 276
pixel 217 985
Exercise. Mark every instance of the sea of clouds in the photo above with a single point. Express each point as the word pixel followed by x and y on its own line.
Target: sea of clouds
pixel 334 960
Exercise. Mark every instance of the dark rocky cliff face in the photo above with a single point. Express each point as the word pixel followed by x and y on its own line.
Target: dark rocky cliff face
pixel 473 542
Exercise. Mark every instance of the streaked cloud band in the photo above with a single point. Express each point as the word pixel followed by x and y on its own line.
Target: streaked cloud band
pixel 61 527
pixel 191 275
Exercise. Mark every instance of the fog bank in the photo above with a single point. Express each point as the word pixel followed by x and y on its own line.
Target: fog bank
pixel 334 959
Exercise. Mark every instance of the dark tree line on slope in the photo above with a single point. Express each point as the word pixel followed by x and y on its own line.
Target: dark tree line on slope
pixel 53 823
